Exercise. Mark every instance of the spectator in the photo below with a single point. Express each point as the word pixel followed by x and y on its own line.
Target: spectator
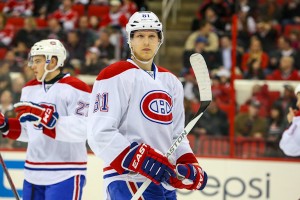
pixel 221 87
pixel 220 7
pixel 27 73
pixel 86 35
pixel 286 70
pixel 189 85
pixel 15 65
pixel 129 7
pixel 94 23
pixel 199 47
pixel 6 32
pixel 42 8
pixel 290 12
pixel 115 18
pixel 6 103
pixel 224 54
pixel 276 126
pixel 54 30
pixel 255 53
pixel 75 47
pixel 205 30
pixel 250 124
pixel 254 72
pixel 246 22
pixel 5 83
pixel 260 94
pixel 267 35
pixel 65 15
pixel 142 5
pixel 287 99
pixel 270 10
pixel 106 48
pixel 28 34
pixel 284 49
pixel 17 85
pixel 18 8
pixel 213 122
pixel 246 25
pixel 294 37
pixel 21 52
pixel 93 64
pixel 211 16
pixel 4 68
pixel 7 108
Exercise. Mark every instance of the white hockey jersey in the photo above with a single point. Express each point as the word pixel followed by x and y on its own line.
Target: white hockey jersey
pixel 128 104
pixel 290 141
pixel 51 160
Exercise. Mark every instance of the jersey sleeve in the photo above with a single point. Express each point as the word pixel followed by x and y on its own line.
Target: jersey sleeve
pixel 72 127
pixel 178 120
pixel 108 103
pixel 15 129
pixel 290 141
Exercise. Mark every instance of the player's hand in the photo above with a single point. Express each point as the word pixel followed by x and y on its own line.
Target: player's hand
pixel 189 176
pixel 3 124
pixel 148 162
pixel 38 114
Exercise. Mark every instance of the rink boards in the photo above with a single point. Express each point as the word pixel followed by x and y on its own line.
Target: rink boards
pixel 228 179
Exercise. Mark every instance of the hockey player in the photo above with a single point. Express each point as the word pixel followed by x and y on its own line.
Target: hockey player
pixel 290 141
pixel 136 112
pixel 51 117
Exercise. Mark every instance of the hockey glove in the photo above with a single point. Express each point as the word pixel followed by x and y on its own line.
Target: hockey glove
pixel 3 124
pixel 148 162
pixel 40 115
pixel 189 176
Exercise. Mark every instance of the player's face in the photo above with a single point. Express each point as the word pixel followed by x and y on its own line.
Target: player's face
pixel 38 63
pixel 144 44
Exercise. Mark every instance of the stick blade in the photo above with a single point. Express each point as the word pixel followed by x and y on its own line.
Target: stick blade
pixel 202 76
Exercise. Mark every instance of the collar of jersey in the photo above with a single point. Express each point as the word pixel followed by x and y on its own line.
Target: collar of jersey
pixel 55 79
pixel 153 68
pixel 52 81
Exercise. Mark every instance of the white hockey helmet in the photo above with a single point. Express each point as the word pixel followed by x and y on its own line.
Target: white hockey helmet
pixel 144 20
pixel 48 48
pixel 297 90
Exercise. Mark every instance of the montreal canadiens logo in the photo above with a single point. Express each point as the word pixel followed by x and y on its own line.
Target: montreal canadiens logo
pixel 156 106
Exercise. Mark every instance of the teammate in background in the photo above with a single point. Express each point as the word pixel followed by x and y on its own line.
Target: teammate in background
pixel 137 111
pixel 290 141
pixel 51 117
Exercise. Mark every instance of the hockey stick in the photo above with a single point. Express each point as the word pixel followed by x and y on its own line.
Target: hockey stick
pixel 202 76
pixel 11 183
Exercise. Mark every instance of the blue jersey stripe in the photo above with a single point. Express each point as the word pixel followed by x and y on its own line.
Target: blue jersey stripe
pixel 113 174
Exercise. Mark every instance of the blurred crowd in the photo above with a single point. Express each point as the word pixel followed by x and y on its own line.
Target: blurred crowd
pixel 268 47
pixel 93 32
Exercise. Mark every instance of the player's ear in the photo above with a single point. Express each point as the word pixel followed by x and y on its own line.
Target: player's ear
pixel 53 62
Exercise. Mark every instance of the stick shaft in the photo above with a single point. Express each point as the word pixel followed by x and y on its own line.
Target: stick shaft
pixel 11 183
pixel 169 153
pixel 204 84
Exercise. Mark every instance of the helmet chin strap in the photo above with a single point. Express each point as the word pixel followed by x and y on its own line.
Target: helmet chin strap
pixel 46 72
